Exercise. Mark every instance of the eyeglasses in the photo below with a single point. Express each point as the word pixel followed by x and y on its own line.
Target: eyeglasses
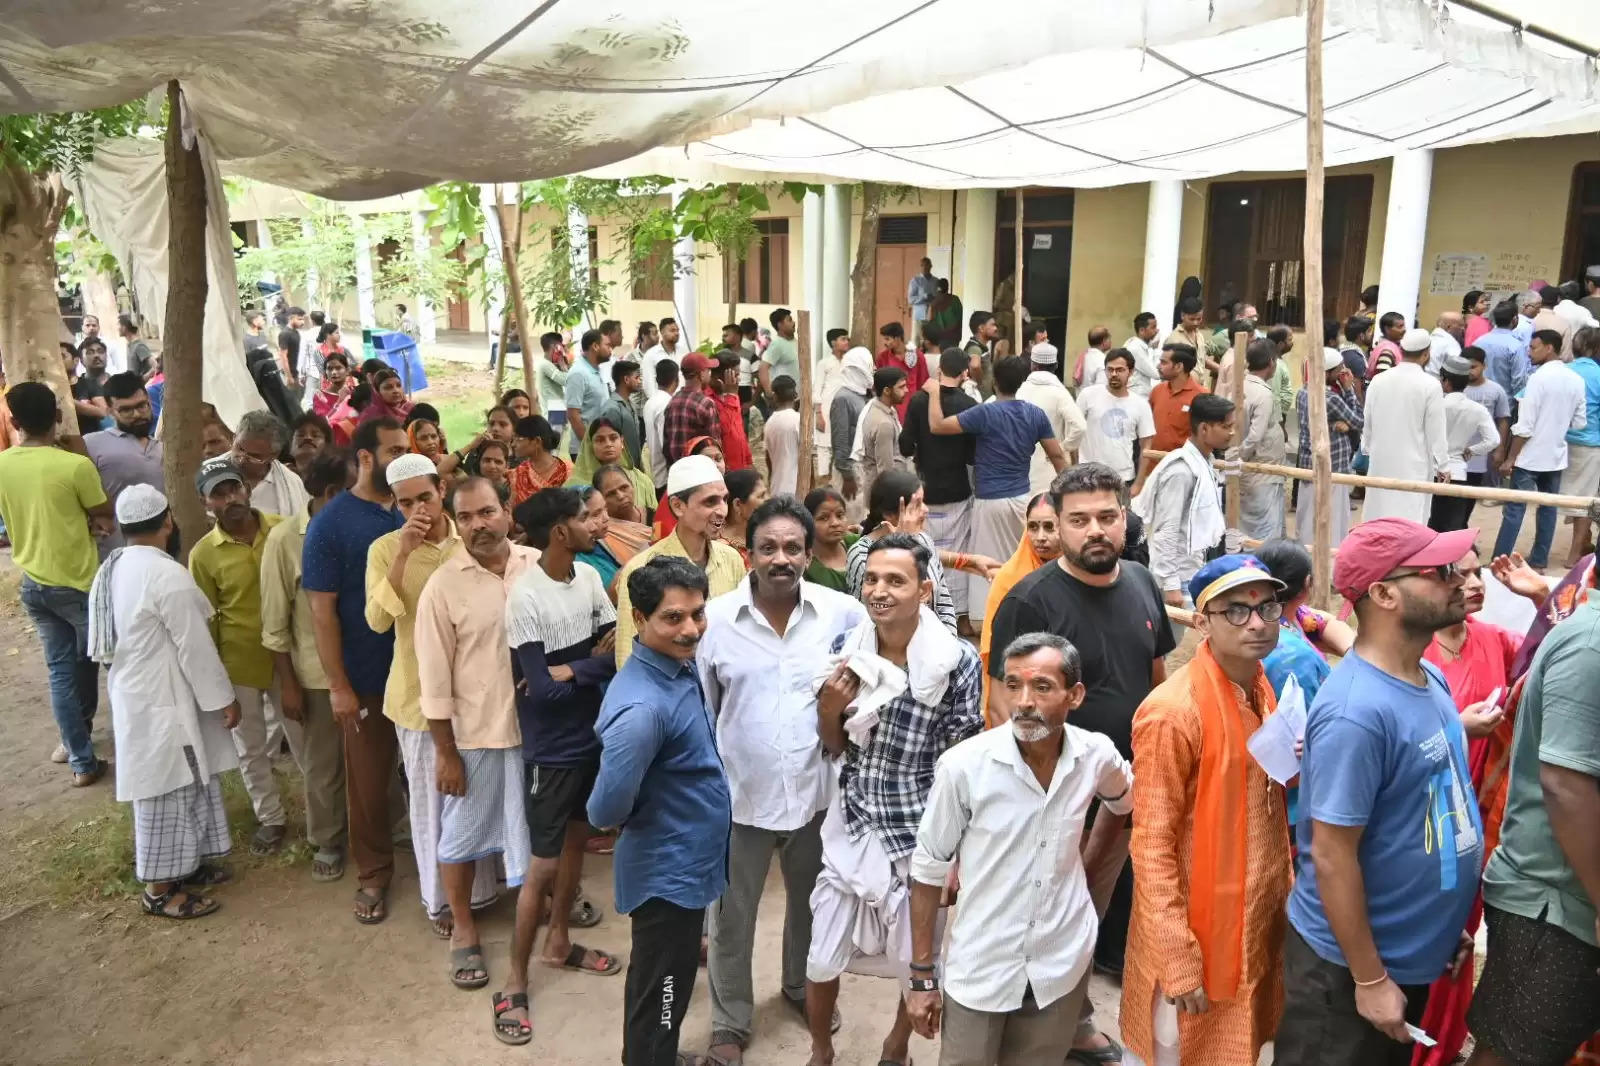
pixel 1239 613
pixel 1446 572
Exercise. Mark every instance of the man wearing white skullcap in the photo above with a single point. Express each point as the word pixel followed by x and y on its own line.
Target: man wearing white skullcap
pixel 1049 393
pixel 399 564
pixel 172 706
pixel 699 501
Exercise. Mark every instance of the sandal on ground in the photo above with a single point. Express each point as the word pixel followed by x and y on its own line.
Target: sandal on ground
pixel 327 866
pixel 799 1007
pixel 1109 1055
pixel 90 777
pixel 268 839
pixel 444 926
pixel 584 915
pixel 208 876
pixel 606 964
pixel 178 903
pixel 725 1038
pixel 377 905
pixel 468 961
pixel 511 1030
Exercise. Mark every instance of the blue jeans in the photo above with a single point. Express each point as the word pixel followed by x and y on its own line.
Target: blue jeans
pixel 61 615
pixel 1544 523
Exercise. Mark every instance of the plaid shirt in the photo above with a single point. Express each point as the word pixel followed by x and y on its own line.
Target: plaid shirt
pixel 884 786
pixel 1342 407
pixel 691 413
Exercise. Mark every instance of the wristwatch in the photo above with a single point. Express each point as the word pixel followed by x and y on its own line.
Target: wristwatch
pixel 924 984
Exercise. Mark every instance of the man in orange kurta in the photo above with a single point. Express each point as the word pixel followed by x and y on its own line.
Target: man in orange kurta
pixel 1210 845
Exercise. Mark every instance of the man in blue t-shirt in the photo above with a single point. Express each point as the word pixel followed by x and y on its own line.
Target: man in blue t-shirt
pixel 1390 840
pixel 334 574
pixel 1005 431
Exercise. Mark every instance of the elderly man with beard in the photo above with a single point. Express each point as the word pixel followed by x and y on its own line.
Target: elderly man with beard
pixel 897 692
pixel 1210 857
pixel 1008 809
pixel 1390 837
pixel 1110 609
pixel 762 643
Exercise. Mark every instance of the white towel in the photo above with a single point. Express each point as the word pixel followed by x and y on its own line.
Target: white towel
pixel 933 653
pixel 1205 523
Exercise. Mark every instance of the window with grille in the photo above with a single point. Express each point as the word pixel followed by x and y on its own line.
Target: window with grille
pixel 763 276
pixel 903 229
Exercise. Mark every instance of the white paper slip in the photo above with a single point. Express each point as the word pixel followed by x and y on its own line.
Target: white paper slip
pixel 1419 1036
pixel 1273 747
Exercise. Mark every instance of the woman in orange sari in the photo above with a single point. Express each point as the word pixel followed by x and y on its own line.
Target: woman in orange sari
pixel 1041 543
pixel 541 467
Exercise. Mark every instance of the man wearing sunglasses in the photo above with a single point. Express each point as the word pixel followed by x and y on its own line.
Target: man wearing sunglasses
pixel 1390 838
pixel 1211 865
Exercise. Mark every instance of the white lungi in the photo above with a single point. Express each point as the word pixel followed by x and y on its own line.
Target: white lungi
pixel 996 531
pixel 417 752
pixel 491 819
pixel 950 526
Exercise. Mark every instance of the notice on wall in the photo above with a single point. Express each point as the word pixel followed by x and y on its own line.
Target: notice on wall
pixel 1512 272
pixel 1042 241
pixel 1456 272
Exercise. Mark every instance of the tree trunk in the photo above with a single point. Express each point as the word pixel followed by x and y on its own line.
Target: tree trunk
pixel 511 240
pixel 864 275
pixel 100 298
pixel 30 318
pixel 181 350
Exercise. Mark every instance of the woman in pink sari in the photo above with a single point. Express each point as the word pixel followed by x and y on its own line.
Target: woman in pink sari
pixel 388 399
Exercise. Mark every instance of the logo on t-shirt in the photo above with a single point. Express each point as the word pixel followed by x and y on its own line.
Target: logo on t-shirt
pixel 1451 829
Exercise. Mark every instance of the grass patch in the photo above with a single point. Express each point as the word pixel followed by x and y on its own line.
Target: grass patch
pixel 462 392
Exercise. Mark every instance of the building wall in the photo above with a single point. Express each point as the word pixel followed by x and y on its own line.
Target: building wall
pixel 1107 263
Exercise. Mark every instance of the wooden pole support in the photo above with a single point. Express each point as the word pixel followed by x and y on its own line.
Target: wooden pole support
pixel 1241 341
pixel 1016 277
pixel 808 415
pixel 1316 393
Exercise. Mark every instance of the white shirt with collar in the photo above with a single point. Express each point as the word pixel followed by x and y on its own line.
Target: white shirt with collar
pixel 1146 372
pixel 1025 917
pixel 1554 402
pixel 1047 392
pixel 1441 345
pixel 1469 430
pixel 758 688
pixel 654 356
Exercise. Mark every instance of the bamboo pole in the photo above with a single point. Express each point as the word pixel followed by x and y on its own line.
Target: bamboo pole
pixel 510 249
pixel 808 415
pixel 1241 342
pixel 1316 393
pixel 505 337
pixel 1016 277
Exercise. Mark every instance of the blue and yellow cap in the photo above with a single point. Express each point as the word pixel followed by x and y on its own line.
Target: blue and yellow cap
pixel 1228 572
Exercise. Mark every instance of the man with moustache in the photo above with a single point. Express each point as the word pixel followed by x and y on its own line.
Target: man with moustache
pixel 1008 807
pixel 127 453
pixel 762 643
pixel 1110 609
pixel 898 691
pixel 1210 857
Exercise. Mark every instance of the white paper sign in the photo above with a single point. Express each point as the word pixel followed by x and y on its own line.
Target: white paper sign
pixel 1043 241
pixel 1274 743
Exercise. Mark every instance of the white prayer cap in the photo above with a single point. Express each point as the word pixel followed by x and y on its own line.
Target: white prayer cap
pixel 691 472
pixel 140 503
pixel 409 466
pixel 1043 354
pixel 1415 340
pixel 1331 359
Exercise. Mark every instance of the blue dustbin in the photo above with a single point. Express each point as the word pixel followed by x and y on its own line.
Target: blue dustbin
pixel 400 352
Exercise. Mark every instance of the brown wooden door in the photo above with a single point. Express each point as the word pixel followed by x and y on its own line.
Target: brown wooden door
pixel 897 265
pixel 456 306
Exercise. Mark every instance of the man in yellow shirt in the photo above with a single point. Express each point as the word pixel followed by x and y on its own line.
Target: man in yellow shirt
pixel 226 564
pixel 399 564
pixel 51 498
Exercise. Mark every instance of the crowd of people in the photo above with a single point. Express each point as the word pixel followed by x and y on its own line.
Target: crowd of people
pixel 935 686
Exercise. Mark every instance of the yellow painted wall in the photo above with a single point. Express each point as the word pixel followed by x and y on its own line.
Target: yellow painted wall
pixel 1107 263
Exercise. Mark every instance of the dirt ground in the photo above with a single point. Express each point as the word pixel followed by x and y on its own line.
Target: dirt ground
pixel 283 975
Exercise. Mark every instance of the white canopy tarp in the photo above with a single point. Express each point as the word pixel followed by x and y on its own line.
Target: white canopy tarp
pixel 361 98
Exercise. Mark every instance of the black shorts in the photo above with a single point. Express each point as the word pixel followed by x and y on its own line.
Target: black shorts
pixel 1320 1025
pixel 1539 998
pixel 557 795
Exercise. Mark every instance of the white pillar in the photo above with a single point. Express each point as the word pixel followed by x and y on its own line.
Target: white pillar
pixel 493 263
pixel 421 246
pixel 364 292
pixel 976 287
pixel 1162 228
pixel 811 224
pixel 684 300
pixel 836 262
pixel 1406 227
pixel 578 235
pixel 308 234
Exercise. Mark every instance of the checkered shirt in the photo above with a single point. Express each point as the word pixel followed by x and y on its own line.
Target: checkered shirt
pixel 1342 407
pixel 691 413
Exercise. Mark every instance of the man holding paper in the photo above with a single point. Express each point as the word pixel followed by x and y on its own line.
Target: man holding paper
pixel 1204 972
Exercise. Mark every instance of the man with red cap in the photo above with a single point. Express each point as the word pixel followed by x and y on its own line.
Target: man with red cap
pixel 1390 839
pixel 693 411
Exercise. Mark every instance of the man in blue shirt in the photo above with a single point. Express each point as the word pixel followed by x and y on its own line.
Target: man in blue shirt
pixel 1505 353
pixel 356 660
pixel 1390 839
pixel 661 781
pixel 1582 476
pixel 1004 434
pixel 586 390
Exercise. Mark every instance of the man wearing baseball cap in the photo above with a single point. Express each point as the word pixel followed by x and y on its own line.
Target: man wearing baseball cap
pixel 693 411
pixel 1211 867
pixel 1403 432
pixel 1390 838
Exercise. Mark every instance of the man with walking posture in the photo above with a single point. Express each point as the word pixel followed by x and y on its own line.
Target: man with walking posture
pixel 1554 403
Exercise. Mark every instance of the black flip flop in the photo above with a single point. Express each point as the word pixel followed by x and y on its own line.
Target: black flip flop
pixel 501 1005
pixel 461 960
pixel 379 904
pixel 610 965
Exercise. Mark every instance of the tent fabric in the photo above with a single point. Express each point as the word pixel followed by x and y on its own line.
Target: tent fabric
pixel 124 197
pixel 361 99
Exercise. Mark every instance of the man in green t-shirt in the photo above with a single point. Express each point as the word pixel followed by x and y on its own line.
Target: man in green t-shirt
pixel 782 357
pixel 51 498
pixel 1540 994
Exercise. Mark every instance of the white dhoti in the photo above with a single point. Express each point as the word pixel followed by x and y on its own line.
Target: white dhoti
pixel 1305 520
pixel 427 808
pixel 950 526
pixel 1261 505
pixel 491 819
pixel 996 531
pixel 1397 503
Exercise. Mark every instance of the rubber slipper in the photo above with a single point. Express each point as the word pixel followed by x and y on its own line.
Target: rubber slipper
pixel 608 966
pixel 584 915
pixel 327 866
pixel 467 960
pixel 378 904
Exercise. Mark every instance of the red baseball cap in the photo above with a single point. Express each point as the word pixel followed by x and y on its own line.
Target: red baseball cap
pixel 1373 550
pixel 694 362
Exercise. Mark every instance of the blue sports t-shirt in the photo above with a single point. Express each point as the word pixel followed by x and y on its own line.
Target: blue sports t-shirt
pixel 334 559
pixel 1391 756
pixel 1005 432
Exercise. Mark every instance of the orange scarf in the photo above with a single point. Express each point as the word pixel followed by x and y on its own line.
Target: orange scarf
pixel 1217 879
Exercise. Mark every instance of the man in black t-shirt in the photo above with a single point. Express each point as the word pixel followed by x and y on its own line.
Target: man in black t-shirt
pixel 1111 611
pixel 88 388
pixel 942 463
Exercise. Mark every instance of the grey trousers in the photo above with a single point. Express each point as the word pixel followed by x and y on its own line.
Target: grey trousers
pixel 1027 1036
pixel 733 918
pixel 322 764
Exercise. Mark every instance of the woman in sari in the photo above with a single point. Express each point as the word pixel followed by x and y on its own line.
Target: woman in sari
pixel 388 398
pixel 347 415
pixel 517 402
pixel 747 490
pixel 831 555
pixel 1040 544
pixel 541 467
pixel 601 557
pixel 330 342
pixel 603 445
pixel 1307 634
pixel 335 387
pixel 625 534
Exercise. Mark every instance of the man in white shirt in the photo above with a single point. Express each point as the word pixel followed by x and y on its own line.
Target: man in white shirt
pixel 1554 402
pixel 782 438
pixel 1009 806
pixel 665 378
pixel 671 347
pixel 1048 393
pixel 761 648
pixel 824 383
pixel 1402 432
pixel 1261 495
pixel 1469 432
pixel 920 291
pixel 1114 418
pixel 1146 330
pixel 1445 340
pixel 1091 368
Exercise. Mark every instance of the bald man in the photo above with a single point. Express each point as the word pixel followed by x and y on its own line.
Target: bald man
pixel 1445 340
